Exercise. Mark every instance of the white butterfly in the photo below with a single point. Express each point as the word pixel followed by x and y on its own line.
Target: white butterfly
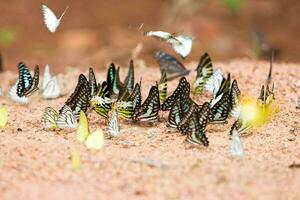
pixel 50 88
pixel 236 148
pixel 182 44
pixel 66 119
pixel 13 95
pixel 214 82
pixel 114 125
pixel 51 21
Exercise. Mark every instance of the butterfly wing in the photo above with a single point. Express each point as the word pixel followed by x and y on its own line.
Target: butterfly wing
pixel 129 80
pixel 175 115
pixel 13 95
pixel 47 77
pixel 298 103
pixel 182 88
pixel 83 128
pixel 162 86
pixel 25 80
pixel 136 97
pixel 66 119
pixel 159 34
pixel 124 105
pixel 149 110
pixel 170 64
pixel 222 108
pixel 3 116
pixel 204 72
pixel 92 82
pixel 95 140
pixel 114 125
pixel 49 118
pixel 101 102
pixel 182 45
pixel 50 19
pixel 52 89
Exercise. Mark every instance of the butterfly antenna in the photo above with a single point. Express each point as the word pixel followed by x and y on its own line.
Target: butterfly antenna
pixel 269 79
pixel 64 12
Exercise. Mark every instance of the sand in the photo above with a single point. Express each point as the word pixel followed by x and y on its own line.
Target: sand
pixel 153 162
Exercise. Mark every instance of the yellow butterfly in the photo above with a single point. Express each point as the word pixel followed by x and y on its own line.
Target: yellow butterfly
pixel 94 140
pixel 76 163
pixel 3 116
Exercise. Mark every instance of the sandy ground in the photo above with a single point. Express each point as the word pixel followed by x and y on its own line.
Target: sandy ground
pixel 152 162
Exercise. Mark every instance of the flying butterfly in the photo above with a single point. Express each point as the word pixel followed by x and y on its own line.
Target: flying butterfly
pixel 148 112
pixel 163 86
pixel 50 118
pixel 80 98
pixel 92 82
pixel 66 119
pixel 204 72
pixel 51 21
pixel 136 97
pixel 114 124
pixel 182 44
pixel 129 80
pixel 101 102
pixel 27 84
pixel 183 88
pixel 171 65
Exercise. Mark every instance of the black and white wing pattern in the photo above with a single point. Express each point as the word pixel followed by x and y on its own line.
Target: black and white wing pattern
pixel 92 82
pixel 234 94
pixel 101 102
pixel 163 86
pixel 204 72
pixel 224 87
pixel 175 115
pixel 27 84
pixel 183 88
pixel 66 119
pixel 129 80
pixel 148 112
pixel 171 65
pixel 222 108
pixel 49 118
pixel 124 105
pixel 136 97
pixel 80 99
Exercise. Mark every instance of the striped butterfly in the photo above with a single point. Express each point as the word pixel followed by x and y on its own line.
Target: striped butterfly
pixel 204 72
pixel 114 125
pixel 113 81
pixel 175 115
pixel 182 44
pixel 27 84
pixel 214 82
pixel 80 99
pixel 136 97
pixel 266 96
pixel 51 21
pixel 221 108
pixel 195 126
pixel 182 88
pixel 92 82
pixel 224 87
pixel 235 94
pixel 50 118
pixel 101 102
pixel 52 90
pixel 171 65
pixel 129 80
pixel 66 119
pixel 163 86
pixel 148 112
pixel 124 105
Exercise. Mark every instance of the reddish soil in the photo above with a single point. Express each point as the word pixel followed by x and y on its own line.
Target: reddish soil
pixel 150 162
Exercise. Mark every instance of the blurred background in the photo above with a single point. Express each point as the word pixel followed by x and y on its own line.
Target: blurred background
pixel 96 32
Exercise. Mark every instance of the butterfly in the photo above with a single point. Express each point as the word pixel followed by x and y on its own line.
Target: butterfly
pixel 214 82
pixel 50 86
pixel 195 126
pixel 27 84
pixel 66 119
pixel 266 96
pixel 163 86
pixel 80 98
pixel 114 125
pixel 235 94
pixel 182 88
pixel 236 148
pixel 92 82
pixel 3 116
pixel 182 44
pixel 175 115
pixel 170 64
pixel 95 140
pixel 83 128
pixel 1 91
pixel 148 112
pixel 113 81
pixel 50 118
pixel 129 80
pixel 136 97
pixel 51 21
pixel 13 95
pixel 224 87
pixel 298 103
pixel 221 108
pixel 101 102
pixel 124 105
pixel 204 72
